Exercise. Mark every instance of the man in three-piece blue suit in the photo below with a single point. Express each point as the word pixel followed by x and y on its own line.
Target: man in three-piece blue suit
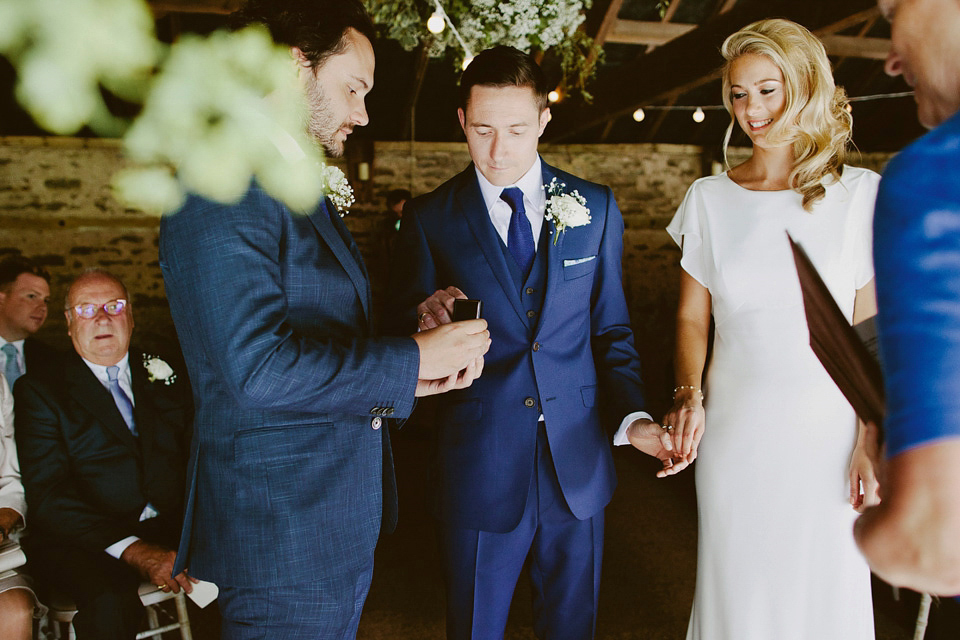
pixel 526 467
pixel 291 467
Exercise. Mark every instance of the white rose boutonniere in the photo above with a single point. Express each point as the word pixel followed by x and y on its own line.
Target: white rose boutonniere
pixel 565 209
pixel 158 369
pixel 338 189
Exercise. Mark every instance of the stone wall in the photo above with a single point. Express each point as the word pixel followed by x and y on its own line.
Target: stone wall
pixel 55 205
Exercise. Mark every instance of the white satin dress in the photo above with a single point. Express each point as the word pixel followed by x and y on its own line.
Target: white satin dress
pixel 776 556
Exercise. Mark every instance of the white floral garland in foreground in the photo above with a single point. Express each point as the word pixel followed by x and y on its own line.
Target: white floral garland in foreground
pixel 565 210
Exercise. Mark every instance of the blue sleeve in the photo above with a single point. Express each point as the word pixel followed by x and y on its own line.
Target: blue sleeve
pixel 917 257
pixel 226 285
pixel 614 353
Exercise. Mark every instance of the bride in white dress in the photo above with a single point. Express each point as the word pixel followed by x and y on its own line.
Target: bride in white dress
pixel 781 460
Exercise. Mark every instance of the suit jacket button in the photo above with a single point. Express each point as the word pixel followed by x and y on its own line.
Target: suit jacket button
pixel 389 411
pixel 529 402
pixel 531 313
pixel 374 411
pixel 376 423
pixel 536 346
pixel 529 291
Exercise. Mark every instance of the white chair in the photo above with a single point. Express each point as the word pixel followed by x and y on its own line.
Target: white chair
pixel 62 611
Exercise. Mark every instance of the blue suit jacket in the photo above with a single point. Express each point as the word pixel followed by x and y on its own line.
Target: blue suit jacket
pixel 272 310
pixel 581 354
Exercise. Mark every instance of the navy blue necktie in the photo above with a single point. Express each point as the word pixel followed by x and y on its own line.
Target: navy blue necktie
pixel 120 398
pixel 12 371
pixel 519 233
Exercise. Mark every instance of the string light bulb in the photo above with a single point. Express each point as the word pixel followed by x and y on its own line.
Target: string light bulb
pixel 466 63
pixel 553 96
pixel 698 115
pixel 639 115
pixel 849 108
pixel 436 23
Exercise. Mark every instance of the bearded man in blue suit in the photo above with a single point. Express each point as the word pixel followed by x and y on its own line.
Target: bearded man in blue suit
pixel 525 464
pixel 291 465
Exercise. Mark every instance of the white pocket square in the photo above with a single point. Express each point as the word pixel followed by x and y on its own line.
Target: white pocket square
pixel 570 263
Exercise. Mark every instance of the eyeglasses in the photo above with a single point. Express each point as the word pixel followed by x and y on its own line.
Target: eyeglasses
pixel 89 310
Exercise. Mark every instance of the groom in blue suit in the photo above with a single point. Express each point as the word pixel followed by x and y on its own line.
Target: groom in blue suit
pixel 291 465
pixel 525 463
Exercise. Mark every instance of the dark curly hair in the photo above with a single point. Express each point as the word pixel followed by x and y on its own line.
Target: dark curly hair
pixel 316 27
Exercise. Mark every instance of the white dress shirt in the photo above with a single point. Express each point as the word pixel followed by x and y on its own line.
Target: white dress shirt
pixel 534 202
pixel 125 379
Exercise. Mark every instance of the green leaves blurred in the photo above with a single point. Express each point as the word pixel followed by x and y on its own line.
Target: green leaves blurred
pixel 217 111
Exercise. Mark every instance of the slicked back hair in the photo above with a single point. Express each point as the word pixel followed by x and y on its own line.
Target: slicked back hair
pixel 503 66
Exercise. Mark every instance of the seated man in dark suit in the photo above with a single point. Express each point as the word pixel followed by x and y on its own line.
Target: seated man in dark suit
pixel 103 445
pixel 24 293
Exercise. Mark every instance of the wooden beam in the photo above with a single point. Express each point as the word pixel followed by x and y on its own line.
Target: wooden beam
pixel 642 32
pixel 659 33
pixel 609 20
pixel 689 61
pixel 854 47
pixel 667 17
pixel 220 7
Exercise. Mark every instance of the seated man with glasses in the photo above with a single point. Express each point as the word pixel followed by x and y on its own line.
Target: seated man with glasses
pixel 103 446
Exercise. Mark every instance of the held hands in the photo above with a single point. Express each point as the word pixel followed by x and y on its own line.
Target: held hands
pixel 451 353
pixel 687 419
pixel 652 439
pixel 155 564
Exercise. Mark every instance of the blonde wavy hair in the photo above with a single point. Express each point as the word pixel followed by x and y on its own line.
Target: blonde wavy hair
pixel 815 119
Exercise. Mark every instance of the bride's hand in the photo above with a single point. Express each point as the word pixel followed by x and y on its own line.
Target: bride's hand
pixel 863 471
pixel 652 439
pixel 687 419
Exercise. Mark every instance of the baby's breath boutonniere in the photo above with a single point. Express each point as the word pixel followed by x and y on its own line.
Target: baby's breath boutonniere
pixel 565 209
pixel 158 370
pixel 338 189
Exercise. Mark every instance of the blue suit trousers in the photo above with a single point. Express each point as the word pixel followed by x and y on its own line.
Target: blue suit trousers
pixel 564 554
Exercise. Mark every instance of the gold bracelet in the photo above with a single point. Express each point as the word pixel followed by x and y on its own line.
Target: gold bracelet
pixel 686 386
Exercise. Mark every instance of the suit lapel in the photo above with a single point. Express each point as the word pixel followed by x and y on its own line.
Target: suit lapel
pixel 554 263
pixel 85 389
pixel 470 202
pixel 338 238
pixel 144 410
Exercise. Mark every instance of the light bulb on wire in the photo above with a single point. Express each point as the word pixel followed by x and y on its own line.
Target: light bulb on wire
pixel 466 63
pixel 639 115
pixel 553 96
pixel 698 115
pixel 436 23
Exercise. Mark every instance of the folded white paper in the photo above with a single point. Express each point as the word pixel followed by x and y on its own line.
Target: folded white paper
pixel 204 593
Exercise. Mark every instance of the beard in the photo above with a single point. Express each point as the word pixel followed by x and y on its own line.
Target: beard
pixel 322 124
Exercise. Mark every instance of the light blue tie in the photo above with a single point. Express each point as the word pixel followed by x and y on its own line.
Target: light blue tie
pixel 12 371
pixel 121 399
pixel 519 233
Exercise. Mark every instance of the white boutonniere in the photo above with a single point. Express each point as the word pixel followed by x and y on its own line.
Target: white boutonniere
pixel 565 209
pixel 338 189
pixel 158 369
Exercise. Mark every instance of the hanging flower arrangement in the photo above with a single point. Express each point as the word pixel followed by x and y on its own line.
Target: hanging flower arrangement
pixel 528 25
